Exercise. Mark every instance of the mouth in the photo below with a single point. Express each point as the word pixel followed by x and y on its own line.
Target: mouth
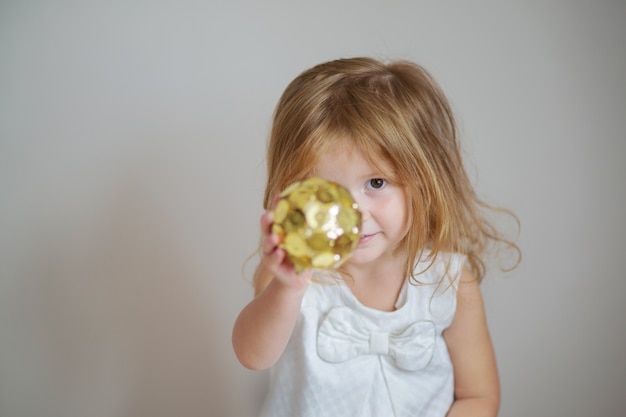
pixel 366 238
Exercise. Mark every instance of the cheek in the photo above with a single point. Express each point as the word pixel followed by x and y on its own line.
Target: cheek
pixel 397 212
pixel 403 213
pixel 402 206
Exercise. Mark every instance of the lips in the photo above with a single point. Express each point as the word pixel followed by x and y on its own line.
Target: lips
pixel 366 238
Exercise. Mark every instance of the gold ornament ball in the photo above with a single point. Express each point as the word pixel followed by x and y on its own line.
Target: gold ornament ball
pixel 318 223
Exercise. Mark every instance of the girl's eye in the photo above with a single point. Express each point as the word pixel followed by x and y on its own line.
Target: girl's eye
pixel 376 183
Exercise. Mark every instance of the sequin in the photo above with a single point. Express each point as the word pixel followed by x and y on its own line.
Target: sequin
pixel 318 223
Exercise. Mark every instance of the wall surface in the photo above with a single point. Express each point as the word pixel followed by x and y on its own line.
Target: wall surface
pixel 132 137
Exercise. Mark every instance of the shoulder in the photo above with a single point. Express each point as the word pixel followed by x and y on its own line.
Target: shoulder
pixel 433 289
pixel 445 266
pixel 470 305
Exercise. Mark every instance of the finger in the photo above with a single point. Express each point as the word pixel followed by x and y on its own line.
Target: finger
pixel 266 222
pixel 270 244
pixel 276 263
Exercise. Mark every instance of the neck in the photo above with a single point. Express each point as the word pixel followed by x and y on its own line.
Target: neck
pixel 377 284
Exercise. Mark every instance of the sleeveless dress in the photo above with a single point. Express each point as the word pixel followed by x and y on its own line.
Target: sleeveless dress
pixel 346 359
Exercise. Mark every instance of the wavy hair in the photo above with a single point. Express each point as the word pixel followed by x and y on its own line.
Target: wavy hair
pixel 397 116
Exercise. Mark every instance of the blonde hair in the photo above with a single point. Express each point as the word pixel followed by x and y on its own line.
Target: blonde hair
pixel 395 113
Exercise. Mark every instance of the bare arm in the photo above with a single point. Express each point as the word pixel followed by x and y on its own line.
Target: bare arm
pixel 264 326
pixel 476 386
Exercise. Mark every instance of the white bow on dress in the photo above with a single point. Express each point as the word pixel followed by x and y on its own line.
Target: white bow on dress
pixel 343 335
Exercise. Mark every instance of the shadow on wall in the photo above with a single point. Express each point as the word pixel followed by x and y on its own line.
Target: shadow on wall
pixel 111 319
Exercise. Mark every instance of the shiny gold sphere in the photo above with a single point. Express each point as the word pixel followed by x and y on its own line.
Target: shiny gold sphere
pixel 318 222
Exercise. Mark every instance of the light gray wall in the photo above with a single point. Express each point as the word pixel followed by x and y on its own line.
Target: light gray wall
pixel 132 139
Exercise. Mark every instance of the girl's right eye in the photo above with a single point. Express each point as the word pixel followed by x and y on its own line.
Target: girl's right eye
pixel 376 183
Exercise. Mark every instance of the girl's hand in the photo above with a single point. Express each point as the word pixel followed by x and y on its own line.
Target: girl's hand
pixel 274 259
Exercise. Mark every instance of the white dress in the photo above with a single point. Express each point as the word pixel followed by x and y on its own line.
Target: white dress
pixel 346 359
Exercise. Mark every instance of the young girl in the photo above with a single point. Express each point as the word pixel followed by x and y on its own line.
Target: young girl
pixel 400 328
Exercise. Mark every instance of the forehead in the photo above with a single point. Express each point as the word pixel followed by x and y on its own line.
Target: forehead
pixel 344 159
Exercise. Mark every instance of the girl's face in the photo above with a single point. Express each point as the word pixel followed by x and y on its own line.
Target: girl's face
pixel 382 204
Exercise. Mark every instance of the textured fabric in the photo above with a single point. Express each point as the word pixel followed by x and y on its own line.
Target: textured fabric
pixel 343 336
pixel 346 359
